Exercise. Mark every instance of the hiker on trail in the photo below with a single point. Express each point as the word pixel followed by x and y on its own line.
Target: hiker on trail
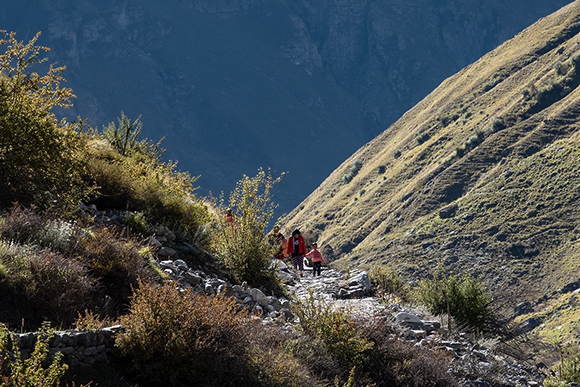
pixel 317 259
pixel 275 238
pixel 296 249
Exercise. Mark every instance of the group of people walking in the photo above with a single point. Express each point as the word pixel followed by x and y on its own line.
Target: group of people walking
pixel 295 248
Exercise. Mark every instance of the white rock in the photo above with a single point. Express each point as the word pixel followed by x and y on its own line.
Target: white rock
pixel 407 318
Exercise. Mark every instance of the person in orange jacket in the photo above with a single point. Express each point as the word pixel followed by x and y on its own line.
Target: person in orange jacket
pixel 296 249
pixel 317 260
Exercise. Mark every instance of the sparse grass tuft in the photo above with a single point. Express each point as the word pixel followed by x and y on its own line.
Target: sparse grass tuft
pixel 137 223
pixel 352 171
pixel 388 281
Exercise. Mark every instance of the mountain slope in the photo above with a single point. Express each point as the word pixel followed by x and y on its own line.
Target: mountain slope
pixel 481 175
pixel 235 85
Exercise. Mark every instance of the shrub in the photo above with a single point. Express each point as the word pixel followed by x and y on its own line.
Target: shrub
pixel 497 124
pixel 177 339
pixel 335 330
pixel 387 281
pixel 92 322
pixel 397 154
pixel 575 61
pixel 525 92
pixel 381 169
pixel 241 245
pixel 396 363
pixel 560 68
pixel 496 79
pixel 124 138
pixel 46 282
pixel 32 372
pixel 352 171
pixel 274 362
pixel 41 157
pixel 21 225
pixel 465 299
pixel 140 182
pixel 137 223
pixel 421 137
pixel 118 264
pixel 60 269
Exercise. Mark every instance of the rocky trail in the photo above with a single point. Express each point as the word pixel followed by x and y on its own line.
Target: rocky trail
pixel 473 362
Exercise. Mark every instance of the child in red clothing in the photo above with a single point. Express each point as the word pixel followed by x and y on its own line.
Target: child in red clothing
pixel 317 259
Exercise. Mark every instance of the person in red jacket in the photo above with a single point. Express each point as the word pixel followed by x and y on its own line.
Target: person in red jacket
pixel 296 249
pixel 317 260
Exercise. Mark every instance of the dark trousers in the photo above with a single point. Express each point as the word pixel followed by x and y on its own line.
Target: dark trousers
pixel 297 261
pixel 316 266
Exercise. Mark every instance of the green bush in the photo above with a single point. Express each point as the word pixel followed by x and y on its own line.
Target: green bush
pixel 137 223
pixel 140 182
pixel 465 299
pixel 36 371
pixel 41 157
pixel 241 245
pixel 178 338
pixel 352 171
pixel 125 138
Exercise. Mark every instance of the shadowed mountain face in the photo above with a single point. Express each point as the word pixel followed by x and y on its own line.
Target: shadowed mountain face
pixel 234 85
pixel 481 176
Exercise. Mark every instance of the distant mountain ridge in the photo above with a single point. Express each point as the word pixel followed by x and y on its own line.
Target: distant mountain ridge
pixel 480 177
pixel 235 85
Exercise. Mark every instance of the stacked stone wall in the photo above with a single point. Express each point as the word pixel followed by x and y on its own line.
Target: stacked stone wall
pixel 80 348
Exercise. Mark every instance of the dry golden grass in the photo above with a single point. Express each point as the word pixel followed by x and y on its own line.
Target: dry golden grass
pixel 455 146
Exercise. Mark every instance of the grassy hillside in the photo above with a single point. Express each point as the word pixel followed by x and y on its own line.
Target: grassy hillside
pixel 495 147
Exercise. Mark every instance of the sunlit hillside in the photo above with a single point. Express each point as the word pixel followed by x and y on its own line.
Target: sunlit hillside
pixel 481 176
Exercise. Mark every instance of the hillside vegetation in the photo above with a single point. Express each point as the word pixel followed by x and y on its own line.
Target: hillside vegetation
pixel 88 220
pixel 481 176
